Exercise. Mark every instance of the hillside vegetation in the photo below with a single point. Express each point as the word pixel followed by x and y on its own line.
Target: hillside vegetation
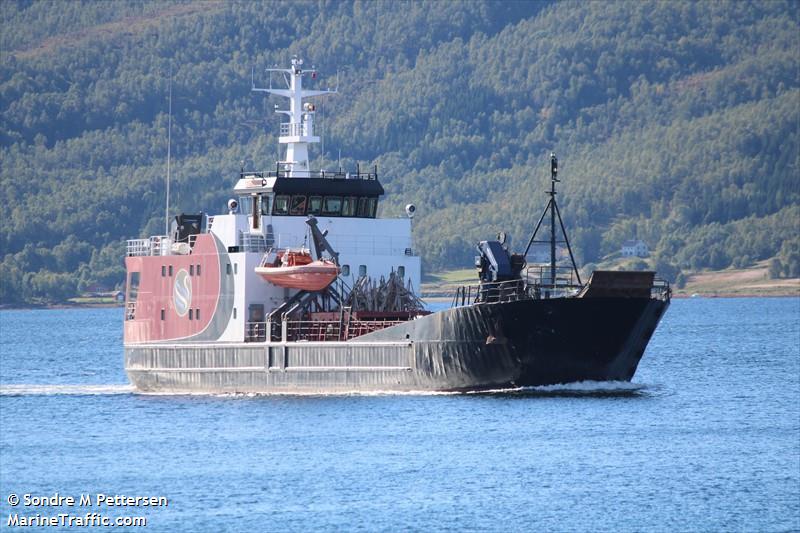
pixel 674 122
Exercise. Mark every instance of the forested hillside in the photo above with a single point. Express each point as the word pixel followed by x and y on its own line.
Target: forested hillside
pixel 675 122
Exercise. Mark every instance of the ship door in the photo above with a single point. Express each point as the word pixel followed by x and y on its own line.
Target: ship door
pixel 256 328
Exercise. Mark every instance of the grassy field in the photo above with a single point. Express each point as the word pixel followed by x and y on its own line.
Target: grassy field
pixel 753 281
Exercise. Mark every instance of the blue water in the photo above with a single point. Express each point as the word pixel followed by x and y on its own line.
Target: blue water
pixel 707 438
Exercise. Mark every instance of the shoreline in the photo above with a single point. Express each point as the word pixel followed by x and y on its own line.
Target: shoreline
pixel 432 296
pixel 33 307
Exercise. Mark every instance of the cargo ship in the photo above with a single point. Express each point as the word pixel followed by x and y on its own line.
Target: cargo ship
pixel 300 288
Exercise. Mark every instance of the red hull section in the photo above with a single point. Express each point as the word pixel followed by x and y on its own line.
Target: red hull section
pixel 175 296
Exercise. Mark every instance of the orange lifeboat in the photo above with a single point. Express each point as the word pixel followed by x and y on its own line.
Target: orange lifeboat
pixel 296 269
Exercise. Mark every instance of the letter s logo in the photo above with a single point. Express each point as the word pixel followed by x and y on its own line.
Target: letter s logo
pixel 182 293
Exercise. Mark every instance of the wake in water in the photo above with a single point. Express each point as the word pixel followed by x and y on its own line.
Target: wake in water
pixel 65 390
pixel 581 389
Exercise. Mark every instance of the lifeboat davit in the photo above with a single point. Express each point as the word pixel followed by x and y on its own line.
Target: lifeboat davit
pixel 296 269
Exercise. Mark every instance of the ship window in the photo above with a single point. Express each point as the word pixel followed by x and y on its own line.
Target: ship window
pixel 401 271
pixel 345 270
pixel 245 205
pixel 314 205
pixel 197 314
pixel 333 205
pixel 265 204
pixel 281 206
pixel 236 268
pixel 234 313
pixel 349 206
pixel 228 269
pixel 162 314
pixel 170 271
pixel 198 270
pixel 191 313
pixel 298 205
pixel 163 270
pixel 362 270
pixel 372 204
pixel 133 287
pixel 362 207
pixel 191 270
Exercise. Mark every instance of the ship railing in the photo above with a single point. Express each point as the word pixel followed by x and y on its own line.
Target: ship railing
pixel 130 310
pixel 155 245
pixel 496 291
pixel 294 128
pixel 661 290
pixel 542 275
pixel 255 332
pixel 313 330
pixel 326 174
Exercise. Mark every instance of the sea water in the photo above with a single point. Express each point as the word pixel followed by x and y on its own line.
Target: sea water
pixel 705 438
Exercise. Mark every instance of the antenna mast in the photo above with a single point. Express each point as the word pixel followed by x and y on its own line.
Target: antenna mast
pixel 169 154
pixel 552 207
pixel 298 132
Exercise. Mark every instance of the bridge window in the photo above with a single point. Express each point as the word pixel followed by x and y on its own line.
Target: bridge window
pixel 349 206
pixel 362 270
pixel 281 206
pixel 315 205
pixel 401 271
pixel 345 270
pixel 265 204
pixel 362 206
pixel 245 203
pixel 366 207
pixel 298 205
pixel 332 206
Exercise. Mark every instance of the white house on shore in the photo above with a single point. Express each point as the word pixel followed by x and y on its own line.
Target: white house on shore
pixel 635 248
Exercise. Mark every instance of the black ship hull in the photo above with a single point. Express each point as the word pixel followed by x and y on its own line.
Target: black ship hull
pixel 537 342
pixel 476 347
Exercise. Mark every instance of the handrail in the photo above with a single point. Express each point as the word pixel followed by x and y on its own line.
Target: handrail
pixel 327 174
pixel 314 330
pixel 532 288
pixel 661 290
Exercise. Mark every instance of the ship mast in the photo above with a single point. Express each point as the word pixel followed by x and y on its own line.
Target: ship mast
pixel 552 207
pixel 298 132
